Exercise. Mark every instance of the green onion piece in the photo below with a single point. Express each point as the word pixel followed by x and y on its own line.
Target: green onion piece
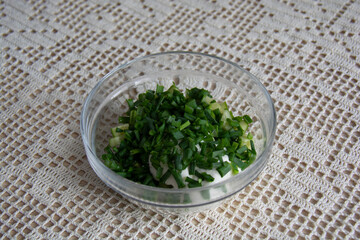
pixel 165 177
pixel 218 153
pixel 159 89
pixel 234 168
pixel 114 166
pixel 176 123
pixel 161 128
pixel 252 146
pixel 124 119
pixel 223 170
pixel 226 142
pixel 209 117
pixel 247 119
pixel 178 135
pixel 178 178
pixel 189 116
pixel 190 180
pixel 135 151
pixel 178 163
pixel 217 114
pixel 159 172
pixel 192 103
pixel 149 95
pixel 234 146
pixel 236 133
pixel 189 109
pixel 132 117
pixel 252 157
pixel 130 102
pixel 233 123
pixel 184 125
pixel 204 176
pixel 184 144
pixel 192 168
pixel 240 163
pixel 207 100
pixel 242 149
pixel 188 153
pixel 194 185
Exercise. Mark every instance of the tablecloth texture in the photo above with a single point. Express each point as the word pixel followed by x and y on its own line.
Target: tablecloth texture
pixel 306 53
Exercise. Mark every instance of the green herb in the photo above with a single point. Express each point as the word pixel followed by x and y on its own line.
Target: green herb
pixel 193 183
pixel 204 176
pixel 247 119
pixel 170 132
pixel 223 170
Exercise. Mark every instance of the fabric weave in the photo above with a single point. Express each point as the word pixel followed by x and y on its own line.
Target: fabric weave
pixel 306 53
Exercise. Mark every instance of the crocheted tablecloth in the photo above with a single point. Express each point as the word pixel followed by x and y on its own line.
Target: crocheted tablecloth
pixel 306 53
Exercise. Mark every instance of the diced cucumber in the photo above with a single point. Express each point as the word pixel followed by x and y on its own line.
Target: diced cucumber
pixel 215 105
pixel 245 141
pixel 115 141
pixel 207 100
pixel 224 106
pixel 221 106
pixel 244 126
pixel 122 127
pixel 226 115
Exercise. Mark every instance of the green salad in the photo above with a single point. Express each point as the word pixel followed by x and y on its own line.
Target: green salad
pixel 167 133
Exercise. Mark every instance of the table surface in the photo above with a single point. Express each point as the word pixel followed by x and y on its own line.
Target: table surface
pixel 306 53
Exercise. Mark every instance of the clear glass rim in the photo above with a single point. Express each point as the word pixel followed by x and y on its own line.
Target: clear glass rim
pixel 260 163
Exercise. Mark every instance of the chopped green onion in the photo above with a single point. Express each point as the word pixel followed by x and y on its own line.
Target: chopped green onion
pixel 247 119
pixel 178 178
pixel 223 170
pixel 218 153
pixel 242 165
pixel 209 116
pixel 130 102
pixel 124 119
pixel 184 125
pixel 192 168
pixel 189 109
pixel 188 153
pixel 159 172
pixel 159 89
pixel 204 176
pixel 178 135
pixel 193 183
pixel 178 132
pixel 165 177
pixel 189 116
pixel 135 151
pixel 242 149
pixel 252 146
pixel 178 163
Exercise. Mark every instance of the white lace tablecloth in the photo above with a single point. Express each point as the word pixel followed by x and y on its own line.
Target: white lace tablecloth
pixel 306 53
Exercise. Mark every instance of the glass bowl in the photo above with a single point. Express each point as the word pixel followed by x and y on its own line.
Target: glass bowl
pixel 226 81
